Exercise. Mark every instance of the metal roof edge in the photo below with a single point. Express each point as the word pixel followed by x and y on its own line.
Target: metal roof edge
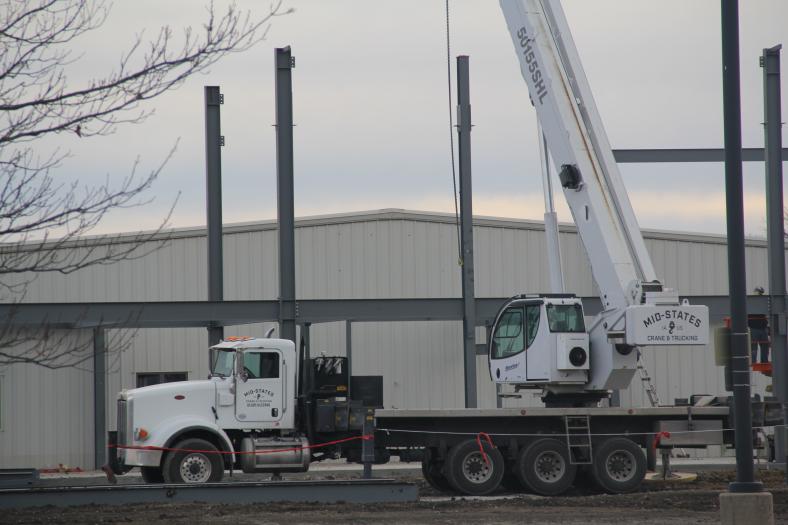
pixel 385 214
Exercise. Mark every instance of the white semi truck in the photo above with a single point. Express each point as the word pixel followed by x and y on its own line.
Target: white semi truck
pixel 265 409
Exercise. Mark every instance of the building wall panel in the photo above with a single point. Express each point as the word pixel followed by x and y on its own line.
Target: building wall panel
pixel 376 255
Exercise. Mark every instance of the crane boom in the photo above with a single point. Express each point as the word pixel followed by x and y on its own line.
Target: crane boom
pixel 637 310
pixel 575 135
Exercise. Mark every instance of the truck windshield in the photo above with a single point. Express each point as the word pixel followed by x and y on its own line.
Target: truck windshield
pixel 222 362
pixel 565 318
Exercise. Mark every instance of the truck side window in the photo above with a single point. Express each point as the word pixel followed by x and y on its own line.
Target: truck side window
pixel 262 365
pixel 531 323
pixel 508 338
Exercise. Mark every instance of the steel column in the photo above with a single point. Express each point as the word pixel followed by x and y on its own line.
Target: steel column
pixel 466 228
pixel 349 353
pixel 213 197
pixel 99 398
pixel 772 117
pixel 740 353
pixel 284 63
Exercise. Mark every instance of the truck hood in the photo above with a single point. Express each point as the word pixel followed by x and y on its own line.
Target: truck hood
pixel 170 390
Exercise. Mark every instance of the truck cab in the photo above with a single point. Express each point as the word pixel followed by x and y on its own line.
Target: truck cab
pixel 247 402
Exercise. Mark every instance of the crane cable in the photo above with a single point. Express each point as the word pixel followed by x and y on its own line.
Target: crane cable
pixel 451 139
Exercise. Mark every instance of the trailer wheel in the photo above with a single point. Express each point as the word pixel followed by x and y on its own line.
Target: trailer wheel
pixel 619 466
pixel 432 470
pixel 152 474
pixel 195 466
pixel 544 467
pixel 469 473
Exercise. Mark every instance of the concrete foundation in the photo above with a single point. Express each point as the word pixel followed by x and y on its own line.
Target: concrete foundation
pixel 744 508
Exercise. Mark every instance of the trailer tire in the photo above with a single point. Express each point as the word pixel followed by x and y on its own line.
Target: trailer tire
pixel 432 470
pixel 152 474
pixel 195 466
pixel 544 467
pixel 469 473
pixel 619 466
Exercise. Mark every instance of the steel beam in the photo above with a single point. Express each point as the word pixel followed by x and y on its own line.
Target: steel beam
pixel 99 398
pixel 349 353
pixel 646 156
pixel 213 200
pixel 185 314
pixel 284 63
pixel 466 229
pixel 770 62
pixel 737 286
pixel 350 491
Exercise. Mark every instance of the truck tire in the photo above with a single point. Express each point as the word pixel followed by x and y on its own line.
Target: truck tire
pixel 544 467
pixel 432 470
pixel 193 467
pixel 152 474
pixel 619 465
pixel 469 473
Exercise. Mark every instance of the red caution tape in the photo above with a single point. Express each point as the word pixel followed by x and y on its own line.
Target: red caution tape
pixel 486 437
pixel 365 437
pixel 658 437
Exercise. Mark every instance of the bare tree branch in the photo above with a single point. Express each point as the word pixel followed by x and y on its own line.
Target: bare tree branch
pixel 44 221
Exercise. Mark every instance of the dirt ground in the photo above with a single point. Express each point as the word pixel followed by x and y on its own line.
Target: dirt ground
pixel 658 502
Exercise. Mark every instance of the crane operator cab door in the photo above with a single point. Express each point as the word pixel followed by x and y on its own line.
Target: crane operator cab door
pixel 540 341
pixel 514 357
pixel 259 392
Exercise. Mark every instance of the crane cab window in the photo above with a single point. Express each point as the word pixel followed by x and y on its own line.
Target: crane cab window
pixel 565 318
pixel 531 322
pixel 262 365
pixel 508 338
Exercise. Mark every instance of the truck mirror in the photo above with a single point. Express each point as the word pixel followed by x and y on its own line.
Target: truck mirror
pixel 240 369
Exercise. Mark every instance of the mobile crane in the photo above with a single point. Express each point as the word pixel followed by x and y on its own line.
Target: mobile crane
pixel 268 408
pixel 541 341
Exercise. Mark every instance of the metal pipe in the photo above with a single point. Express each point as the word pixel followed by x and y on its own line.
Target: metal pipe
pixel 731 95
pixel 772 118
pixel 99 397
pixel 466 228
pixel 554 266
pixel 213 198
pixel 284 63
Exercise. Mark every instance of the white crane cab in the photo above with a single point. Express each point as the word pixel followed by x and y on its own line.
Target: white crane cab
pixel 538 340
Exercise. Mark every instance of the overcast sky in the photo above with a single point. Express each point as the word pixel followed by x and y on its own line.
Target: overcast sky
pixel 372 117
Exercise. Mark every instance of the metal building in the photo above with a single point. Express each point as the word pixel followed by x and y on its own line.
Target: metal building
pixel 46 416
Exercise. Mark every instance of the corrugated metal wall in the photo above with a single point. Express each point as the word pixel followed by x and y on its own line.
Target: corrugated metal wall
pixel 365 255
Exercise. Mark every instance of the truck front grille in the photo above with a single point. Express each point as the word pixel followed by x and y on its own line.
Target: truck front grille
pixel 122 422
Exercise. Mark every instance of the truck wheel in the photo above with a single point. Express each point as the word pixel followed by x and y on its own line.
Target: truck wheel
pixel 619 466
pixel 152 475
pixel 193 467
pixel 432 470
pixel 544 467
pixel 469 473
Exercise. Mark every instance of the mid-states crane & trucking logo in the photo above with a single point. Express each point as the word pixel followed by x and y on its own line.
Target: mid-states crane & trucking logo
pixel 685 324
pixel 258 398
pixel 674 325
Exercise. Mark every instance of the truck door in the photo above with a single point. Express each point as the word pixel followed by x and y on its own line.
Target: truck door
pixel 259 399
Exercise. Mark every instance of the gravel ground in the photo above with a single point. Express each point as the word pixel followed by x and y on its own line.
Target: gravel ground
pixel 658 502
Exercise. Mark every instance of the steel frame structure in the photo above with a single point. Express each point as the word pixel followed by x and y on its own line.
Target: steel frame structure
pixel 215 313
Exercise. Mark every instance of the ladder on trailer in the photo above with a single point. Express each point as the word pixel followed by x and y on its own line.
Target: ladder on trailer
pixel 648 386
pixel 578 439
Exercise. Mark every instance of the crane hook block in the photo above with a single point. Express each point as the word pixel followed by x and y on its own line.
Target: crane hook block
pixel 570 177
